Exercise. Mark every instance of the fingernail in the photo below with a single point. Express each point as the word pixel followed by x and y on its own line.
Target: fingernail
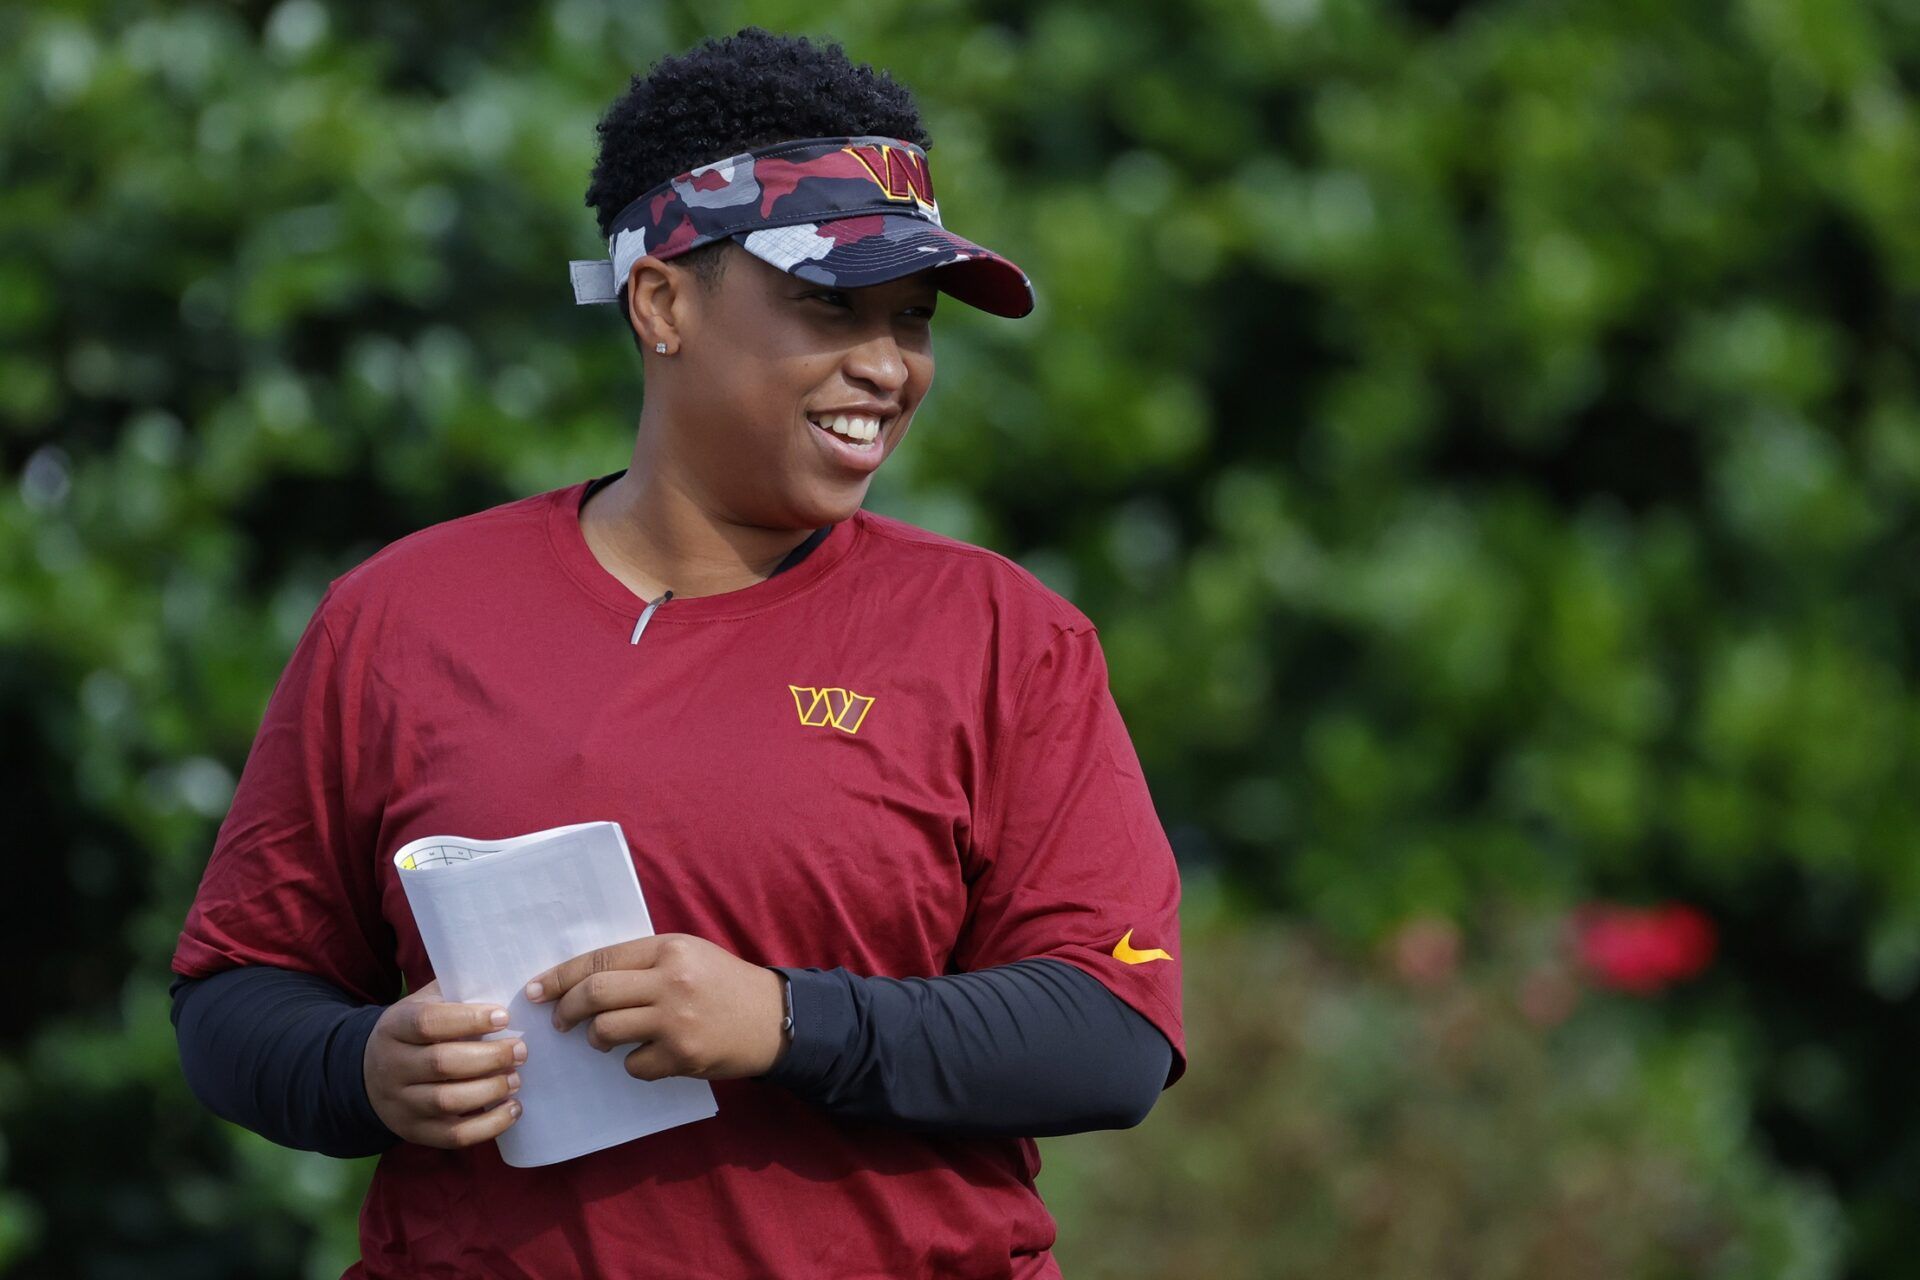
pixel 513 1081
pixel 498 1017
pixel 535 991
pixel 520 1051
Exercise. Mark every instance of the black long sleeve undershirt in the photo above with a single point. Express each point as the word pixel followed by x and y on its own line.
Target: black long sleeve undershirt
pixel 1033 1048
pixel 283 1054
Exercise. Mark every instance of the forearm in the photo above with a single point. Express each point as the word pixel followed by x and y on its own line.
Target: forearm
pixel 1032 1048
pixel 283 1054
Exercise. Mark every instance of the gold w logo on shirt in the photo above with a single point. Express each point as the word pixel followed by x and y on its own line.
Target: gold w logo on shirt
pixel 841 708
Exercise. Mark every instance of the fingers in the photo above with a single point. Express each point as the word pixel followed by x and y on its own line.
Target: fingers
pixel 449 1100
pixel 608 990
pixel 433 1079
pixel 654 1061
pixel 472 1130
pixel 637 953
pixel 623 1026
pixel 462 1060
pixel 430 1021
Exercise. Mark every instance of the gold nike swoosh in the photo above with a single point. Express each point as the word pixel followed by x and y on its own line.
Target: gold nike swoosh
pixel 1127 954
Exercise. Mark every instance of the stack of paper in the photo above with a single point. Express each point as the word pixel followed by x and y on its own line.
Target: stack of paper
pixel 493 914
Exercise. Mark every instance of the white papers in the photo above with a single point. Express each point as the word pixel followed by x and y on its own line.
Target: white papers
pixel 493 913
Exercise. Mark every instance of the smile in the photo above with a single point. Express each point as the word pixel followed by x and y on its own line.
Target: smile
pixel 858 430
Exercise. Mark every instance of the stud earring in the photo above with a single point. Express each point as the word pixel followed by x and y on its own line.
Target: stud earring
pixel 661 347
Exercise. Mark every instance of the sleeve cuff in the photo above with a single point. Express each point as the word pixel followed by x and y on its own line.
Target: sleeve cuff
pixel 346 1063
pixel 824 1021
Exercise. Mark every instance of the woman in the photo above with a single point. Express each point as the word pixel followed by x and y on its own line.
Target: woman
pixel 915 905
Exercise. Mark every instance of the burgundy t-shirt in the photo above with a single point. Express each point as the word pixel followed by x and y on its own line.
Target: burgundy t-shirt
pixel 900 755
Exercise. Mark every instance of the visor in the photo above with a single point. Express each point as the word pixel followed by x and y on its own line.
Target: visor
pixel 846 212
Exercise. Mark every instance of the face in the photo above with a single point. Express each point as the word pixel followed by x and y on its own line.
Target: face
pixel 764 361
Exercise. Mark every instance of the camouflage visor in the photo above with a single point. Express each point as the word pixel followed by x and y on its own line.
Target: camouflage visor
pixel 838 211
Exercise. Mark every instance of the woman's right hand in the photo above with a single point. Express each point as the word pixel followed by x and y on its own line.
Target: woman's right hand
pixel 432 1081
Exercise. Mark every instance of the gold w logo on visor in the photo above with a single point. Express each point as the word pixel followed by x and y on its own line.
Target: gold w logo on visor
pixel 841 708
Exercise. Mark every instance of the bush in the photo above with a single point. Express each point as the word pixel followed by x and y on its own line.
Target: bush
pixel 1346 1116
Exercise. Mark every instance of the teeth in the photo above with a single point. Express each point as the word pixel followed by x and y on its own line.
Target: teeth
pixel 852 427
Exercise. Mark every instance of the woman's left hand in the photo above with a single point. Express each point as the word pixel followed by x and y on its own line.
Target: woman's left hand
pixel 701 1010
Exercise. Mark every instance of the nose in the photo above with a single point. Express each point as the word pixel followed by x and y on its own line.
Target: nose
pixel 878 362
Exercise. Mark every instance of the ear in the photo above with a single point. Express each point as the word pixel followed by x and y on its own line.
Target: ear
pixel 659 301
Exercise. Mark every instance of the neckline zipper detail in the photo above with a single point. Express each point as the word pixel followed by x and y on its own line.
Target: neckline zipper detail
pixel 641 625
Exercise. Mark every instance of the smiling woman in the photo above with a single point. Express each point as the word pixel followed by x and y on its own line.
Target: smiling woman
pixel 916 906
pixel 740 352
pixel 778 398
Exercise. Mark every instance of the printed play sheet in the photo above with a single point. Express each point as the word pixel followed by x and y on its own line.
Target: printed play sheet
pixel 493 913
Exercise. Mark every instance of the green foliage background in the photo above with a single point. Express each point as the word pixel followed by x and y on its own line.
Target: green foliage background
pixel 1486 435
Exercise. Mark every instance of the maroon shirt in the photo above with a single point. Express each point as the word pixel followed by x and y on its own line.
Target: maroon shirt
pixel 900 756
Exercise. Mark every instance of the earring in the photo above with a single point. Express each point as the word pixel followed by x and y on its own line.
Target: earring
pixel 661 347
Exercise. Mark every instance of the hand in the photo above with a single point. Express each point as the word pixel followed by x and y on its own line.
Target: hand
pixel 432 1082
pixel 701 1010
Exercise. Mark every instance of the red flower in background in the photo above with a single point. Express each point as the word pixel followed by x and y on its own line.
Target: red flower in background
pixel 1426 951
pixel 1642 950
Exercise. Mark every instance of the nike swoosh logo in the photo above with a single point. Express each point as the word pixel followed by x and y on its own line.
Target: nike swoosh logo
pixel 1125 953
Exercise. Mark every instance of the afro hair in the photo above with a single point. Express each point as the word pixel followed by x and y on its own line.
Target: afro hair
pixel 731 94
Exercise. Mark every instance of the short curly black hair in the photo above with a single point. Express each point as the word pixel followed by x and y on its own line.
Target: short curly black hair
pixel 730 94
